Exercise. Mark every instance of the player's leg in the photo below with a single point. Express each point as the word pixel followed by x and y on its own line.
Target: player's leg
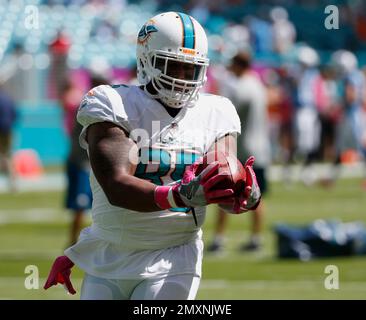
pixel 221 223
pixel 95 288
pixel 71 195
pixel 287 150
pixel 78 199
pixel 175 287
pixel 255 240
pixel 76 225
pixel 5 160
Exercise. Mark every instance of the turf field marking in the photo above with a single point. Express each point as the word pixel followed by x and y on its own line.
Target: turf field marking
pixel 31 215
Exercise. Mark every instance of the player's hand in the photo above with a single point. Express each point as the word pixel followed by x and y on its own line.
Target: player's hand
pixel 253 192
pixel 60 273
pixel 250 198
pixel 197 190
pixel 194 189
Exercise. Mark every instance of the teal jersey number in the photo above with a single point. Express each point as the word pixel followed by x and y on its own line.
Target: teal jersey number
pixel 153 157
pixel 161 160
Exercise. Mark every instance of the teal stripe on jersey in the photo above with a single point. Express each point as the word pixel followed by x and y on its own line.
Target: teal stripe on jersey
pixel 188 31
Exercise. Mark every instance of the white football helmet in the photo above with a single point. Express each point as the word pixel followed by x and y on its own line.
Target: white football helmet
pixel 172 55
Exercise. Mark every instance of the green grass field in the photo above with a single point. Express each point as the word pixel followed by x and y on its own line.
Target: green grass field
pixel 33 230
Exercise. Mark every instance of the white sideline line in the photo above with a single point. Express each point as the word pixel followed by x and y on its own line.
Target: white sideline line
pixel 321 170
pixel 46 182
pixel 21 254
pixel 32 215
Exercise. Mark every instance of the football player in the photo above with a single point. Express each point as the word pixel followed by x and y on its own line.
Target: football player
pixel 144 144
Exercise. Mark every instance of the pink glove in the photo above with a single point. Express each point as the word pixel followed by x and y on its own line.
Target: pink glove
pixel 253 193
pixel 60 273
pixel 250 198
pixel 194 189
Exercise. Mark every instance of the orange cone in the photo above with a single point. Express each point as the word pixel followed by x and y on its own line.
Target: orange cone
pixel 26 163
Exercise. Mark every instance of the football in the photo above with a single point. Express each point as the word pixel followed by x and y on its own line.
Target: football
pixel 229 166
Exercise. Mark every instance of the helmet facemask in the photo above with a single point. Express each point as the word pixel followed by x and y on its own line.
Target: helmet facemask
pixel 176 78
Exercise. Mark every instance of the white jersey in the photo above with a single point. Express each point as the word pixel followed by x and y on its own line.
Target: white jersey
pixel 167 144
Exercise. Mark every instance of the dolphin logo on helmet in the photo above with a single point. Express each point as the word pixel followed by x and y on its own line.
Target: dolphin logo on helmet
pixel 145 32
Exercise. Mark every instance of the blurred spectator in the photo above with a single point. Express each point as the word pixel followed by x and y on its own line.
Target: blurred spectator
pixel 70 100
pixel 326 101
pixel 249 96
pixel 353 83
pixel 280 110
pixel 78 194
pixel 236 38
pixel 59 50
pixel 287 87
pixel 261 33
pixel 352 99
pixel 15 73
pixel 7 120
pixel 284 32
pixel 307 120
pixel 362 131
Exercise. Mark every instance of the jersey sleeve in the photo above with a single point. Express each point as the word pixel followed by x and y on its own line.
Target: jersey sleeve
pixel 101 104
pixel 225 120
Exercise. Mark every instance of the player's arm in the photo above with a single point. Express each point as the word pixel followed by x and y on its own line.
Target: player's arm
pixel 113 155
pixel 227 145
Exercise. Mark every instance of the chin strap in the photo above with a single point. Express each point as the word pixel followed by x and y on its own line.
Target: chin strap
pixel 146 90
pixel 153 86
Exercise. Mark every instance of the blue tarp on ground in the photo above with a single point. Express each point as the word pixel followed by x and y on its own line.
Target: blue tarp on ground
pixel 321 239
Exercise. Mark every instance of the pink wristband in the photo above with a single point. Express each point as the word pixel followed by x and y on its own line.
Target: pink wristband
pixel 164 197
